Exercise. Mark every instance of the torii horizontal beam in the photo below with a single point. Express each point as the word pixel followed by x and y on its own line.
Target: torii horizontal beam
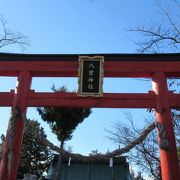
pixel 110 100
pixel 116 65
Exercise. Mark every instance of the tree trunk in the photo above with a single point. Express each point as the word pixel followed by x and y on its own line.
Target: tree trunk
pixel 58 176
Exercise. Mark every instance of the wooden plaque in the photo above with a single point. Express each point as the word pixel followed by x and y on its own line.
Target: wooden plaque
pixel 90 76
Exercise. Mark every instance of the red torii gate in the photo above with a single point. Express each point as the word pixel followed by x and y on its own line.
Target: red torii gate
pixel 158 67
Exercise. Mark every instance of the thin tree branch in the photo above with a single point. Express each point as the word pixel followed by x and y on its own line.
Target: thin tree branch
pixel 149 162
pixel 8 37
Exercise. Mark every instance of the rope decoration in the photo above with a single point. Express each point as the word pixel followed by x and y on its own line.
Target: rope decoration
pixel 106 156
pixel 14 115
pixel 164 143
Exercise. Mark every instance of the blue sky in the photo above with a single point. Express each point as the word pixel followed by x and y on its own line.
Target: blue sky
pixel 80 26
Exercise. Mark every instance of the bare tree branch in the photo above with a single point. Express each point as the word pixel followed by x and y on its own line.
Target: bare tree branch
pixel 142 136
pixel 160 37
pixel 143 145
pixel 167 15
pixel 156 39
pixel 8 37
pixel 150 164
pixel 178 4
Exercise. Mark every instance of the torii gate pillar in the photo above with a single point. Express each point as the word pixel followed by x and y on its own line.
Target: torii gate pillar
pixel 12 149
pixel 168 158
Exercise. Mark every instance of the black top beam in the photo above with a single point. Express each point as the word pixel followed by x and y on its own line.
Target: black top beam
pixel 74 57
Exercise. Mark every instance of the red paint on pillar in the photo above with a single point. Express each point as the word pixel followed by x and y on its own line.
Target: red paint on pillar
pixel 20 101
pixel 168 158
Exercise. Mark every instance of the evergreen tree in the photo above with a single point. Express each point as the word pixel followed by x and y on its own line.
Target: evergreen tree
pixel 63 121
pixel 35 156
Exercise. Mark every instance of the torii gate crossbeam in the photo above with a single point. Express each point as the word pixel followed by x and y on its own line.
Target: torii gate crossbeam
pixel 25 67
